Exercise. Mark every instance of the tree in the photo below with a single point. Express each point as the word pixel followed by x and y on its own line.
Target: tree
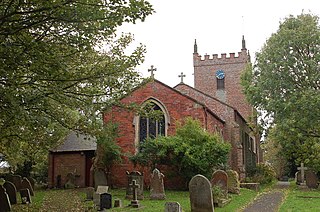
pixel 61 63
pixel 284 81
pixel 191 151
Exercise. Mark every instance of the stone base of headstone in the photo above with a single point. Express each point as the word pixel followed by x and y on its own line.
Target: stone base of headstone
pixel 172 207
pixel 303 186
pixel 158 196
pixel 134 204
pixel 117 203
pixel 220 203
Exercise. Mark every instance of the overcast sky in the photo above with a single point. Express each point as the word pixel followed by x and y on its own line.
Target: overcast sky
pixel 218 26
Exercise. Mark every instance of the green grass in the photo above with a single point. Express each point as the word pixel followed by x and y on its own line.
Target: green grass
pixel 295 200
pixel 37 200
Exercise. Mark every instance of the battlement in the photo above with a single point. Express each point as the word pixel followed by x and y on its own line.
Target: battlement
pixel 242 56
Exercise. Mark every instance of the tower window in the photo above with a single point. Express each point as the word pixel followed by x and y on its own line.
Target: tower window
pixel 220 84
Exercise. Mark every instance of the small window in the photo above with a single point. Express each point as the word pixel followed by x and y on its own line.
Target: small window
pixel 220 84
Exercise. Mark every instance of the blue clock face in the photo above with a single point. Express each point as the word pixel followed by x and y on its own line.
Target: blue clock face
pixel 220 74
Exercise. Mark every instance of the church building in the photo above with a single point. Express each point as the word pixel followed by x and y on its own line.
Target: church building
pixel 216 100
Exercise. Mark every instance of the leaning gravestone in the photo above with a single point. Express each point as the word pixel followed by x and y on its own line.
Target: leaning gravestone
pixel 233 182
pixel 25 184
pixel 311 179
pixel 172 207
pixel 200 194
pixel 32 182
pixel 157 185
pixel 89 193
pixel 70 181
pixel 138 177
pixel 16 180
pixel 25 196
pixel 220 179
pixel 100 178
pixel 105 201
pixel 96 195
pixel 11 191
pixel 4 200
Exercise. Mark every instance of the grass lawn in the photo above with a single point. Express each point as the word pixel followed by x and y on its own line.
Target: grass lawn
pixel 301 200
pixel 74 200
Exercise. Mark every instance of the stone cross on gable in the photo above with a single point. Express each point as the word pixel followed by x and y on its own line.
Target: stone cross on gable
pixel 152 69
pixel 302 169
pixel 134 202
pixel 181 76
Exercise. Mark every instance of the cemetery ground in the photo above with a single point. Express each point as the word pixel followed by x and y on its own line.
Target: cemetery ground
pixel 74 200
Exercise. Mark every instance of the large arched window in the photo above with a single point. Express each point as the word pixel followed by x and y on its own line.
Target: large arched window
pixel 152 124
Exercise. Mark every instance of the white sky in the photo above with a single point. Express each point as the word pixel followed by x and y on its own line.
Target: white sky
pixel 218 27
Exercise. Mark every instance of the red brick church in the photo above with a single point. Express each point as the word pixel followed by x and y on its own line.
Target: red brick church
pixel 216 100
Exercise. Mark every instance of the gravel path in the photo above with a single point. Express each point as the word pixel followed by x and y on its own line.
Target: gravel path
pixel 269 201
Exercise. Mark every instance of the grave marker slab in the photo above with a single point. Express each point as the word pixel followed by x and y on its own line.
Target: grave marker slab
pixel 4 200
pixel 32 182
pixel 134 202
pixel 311 179
pixel 297 177
pixel 25 184
pixel 105 201
pixel 220 179
pixel 117 203
pixel 100 178
pixel 302 169
pixel 25 196
pixel 172 207
pixel 233 182
pixel 89 193
pixel 200 194
pixel 11 191
pixel 157 185
pixel 16 180
pixel 138 177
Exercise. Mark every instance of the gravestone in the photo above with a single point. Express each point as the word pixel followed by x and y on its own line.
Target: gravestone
pixel 59 184
pixel 302 169
pixel 200 194
pixel 233 182
pixel 96 195
pixel 16 180
pixel 134 202
pixel 105 201
pixel 172 207
pixel 138 177
pixel 4 200
pixel 117 203
pixel 25 184
pixel 157 185
pixel 297 177
pixel 89 193
pixel 100 178
pixel 32 182
pixel 25 196
pixel 11 191
pixel 311 179
pixel 220 179
pixel 70 181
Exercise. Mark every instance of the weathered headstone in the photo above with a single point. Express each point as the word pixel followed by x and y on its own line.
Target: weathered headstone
pixel 16 180
pixel 105 201
pixel 89 193
pixel 297 177
pixel 11 191
pixel 220 179
pixel 172 207
pixel 100 178
pixel 302 169
pixel 4 200
pixel 25 184
pixel 96 195
pixel 233 182
pixel 134 202
pixel 32 182
pixel 200 194
pixel 25 196
pixel 157 185
pixel 311 179
pixel 59 184
pixel 138 177
pixel 117 203
pixel 70 181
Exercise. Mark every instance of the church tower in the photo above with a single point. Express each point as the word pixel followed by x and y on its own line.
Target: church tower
pixel 220 77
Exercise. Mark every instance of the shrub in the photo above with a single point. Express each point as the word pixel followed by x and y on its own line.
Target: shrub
pixel 263 174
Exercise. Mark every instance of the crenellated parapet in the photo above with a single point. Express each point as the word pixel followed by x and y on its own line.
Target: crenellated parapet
pixel 241 57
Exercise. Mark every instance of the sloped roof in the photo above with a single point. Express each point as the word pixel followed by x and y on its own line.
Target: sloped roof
pixel 76 142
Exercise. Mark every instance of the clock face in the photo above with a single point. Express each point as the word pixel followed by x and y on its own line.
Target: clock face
pixel 220 74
